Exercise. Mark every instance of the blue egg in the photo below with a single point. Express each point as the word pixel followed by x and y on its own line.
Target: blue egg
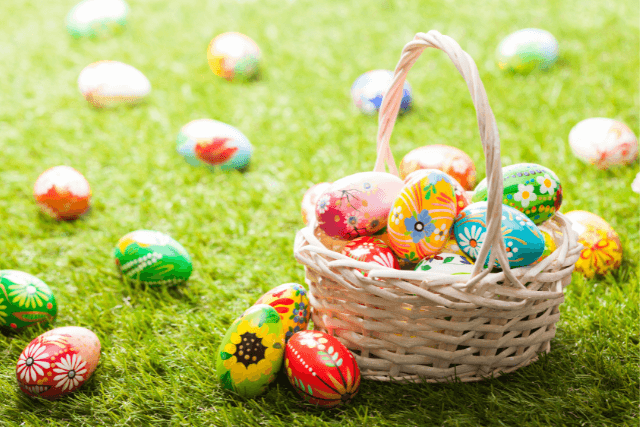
pixel 369 89
pixel 523 240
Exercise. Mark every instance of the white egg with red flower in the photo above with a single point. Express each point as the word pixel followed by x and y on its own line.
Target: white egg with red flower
pixel 58 362
pixel 603 142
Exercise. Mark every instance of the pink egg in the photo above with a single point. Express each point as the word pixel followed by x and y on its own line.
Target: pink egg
pixel 310 198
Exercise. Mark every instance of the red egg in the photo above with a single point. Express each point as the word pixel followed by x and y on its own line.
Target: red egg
pixel 445 158
pixel 321 369
pixel 58 362
pixel 370 249
pixel 62 193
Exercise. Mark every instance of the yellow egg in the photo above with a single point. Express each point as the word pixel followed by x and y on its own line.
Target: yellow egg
pixel 292 304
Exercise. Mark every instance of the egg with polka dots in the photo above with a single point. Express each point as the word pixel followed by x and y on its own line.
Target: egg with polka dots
pixel 321 369
pixel 530 188
pixel 25 300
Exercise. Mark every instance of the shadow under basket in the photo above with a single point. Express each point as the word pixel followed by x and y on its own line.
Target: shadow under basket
pixel 417 326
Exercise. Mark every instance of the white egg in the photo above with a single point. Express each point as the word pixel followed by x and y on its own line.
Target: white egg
pixel 110 83
pixel 603 142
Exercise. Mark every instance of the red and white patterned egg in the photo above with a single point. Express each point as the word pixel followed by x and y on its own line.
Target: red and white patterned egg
pixel 321 369
pixel 62 193
pixel 58 362
pixel 357 205
pixel 370 249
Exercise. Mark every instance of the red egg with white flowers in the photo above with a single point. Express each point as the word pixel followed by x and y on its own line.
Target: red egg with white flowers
pixel 321 369
pixel 58 362
pixel 370 249
pixel 62 193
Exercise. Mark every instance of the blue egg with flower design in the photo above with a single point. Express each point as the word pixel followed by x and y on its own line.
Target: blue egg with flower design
pixel 292 304
pixel 523 239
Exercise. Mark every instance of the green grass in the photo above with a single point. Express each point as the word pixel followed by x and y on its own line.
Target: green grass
pixel 157 366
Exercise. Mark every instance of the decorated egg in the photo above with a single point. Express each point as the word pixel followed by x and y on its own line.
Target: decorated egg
pixel 371 249
pixel 292 304
pixel 310 198
pixel 452 246
pixel 369 89
pixel 528 49
pixel 24 300
pixel 603 142
pixel 152 258
pixel 251 352
pixel 58 362
pixel 214 144
pixel 331 243
pixel 234 56
pixel 532 189
pixel 450 160
pixel 112 83
pixel 549 246
pixel 602 251
pixel 91 18
pixel 421 217
pixel 321 369
pixel 446 263
pixel 463 199
pixel 357 205
pixel 523 239
pixel 62 193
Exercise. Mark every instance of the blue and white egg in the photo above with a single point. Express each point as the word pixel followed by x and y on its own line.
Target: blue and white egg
pixel 523 239
pixel 369 89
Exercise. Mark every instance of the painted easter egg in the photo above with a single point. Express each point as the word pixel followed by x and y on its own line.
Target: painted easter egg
pixel 602 251
pixel 62 192
pixel 25 300
pixel 373 250
pixel 292 304
pixel 463 198
pixel 331 243
pixel 603 142
pixel 450 160
pixel 310 198
pixel 532 189
pixel 234 56
pixel 549 246
pixel 523 239
pixel 321 369
pixel 251 352
pixel 369 89
pixel 91 18
pixel 452 246
pixel 58 362
pixel 112 83
pixel 357 205
pixel 447 263
pixel 152 258
pixel 527 50
pixel 421 217
pixel 214 144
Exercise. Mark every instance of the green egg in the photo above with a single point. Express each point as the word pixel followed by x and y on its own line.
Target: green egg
pixel 152 258
pixel 532 189
pixel 251 352
pixel 24 300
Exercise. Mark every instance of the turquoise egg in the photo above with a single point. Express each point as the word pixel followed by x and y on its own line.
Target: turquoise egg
pixel 530 188
pixel 524 241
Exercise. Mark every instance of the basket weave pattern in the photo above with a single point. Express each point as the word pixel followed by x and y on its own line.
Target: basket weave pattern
pixel 424 327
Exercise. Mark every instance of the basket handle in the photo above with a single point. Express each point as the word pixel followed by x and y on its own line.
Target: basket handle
pixel 488 135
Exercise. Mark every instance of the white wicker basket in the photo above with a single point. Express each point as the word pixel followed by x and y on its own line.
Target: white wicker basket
pixel 419 326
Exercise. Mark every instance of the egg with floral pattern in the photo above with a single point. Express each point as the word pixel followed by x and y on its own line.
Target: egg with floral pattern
pixel 153 258
pixel 450 160
pixel 62 192
pixel 112 83
pixel 603 142
pixel 234 56
pixel 92 18
pixel 357 205
pixel 602 251
pixel 422 215
pixel 523 239
pixel 321 369
pixel 310 198
pixel 370 88
pixel 58 362
pixel 292 304
pixel 463 197
pixel 530 188
pixel 251 352
pixel 373 250
pixel 447 263
pixel 25 300
pixel 214 144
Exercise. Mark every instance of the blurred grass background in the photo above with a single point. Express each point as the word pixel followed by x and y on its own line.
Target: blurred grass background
pixel 158 360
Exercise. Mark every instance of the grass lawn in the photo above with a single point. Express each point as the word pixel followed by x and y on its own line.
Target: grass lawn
pixel 158 362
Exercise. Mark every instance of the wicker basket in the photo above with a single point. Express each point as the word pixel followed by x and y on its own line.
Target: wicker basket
pixel 424 327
